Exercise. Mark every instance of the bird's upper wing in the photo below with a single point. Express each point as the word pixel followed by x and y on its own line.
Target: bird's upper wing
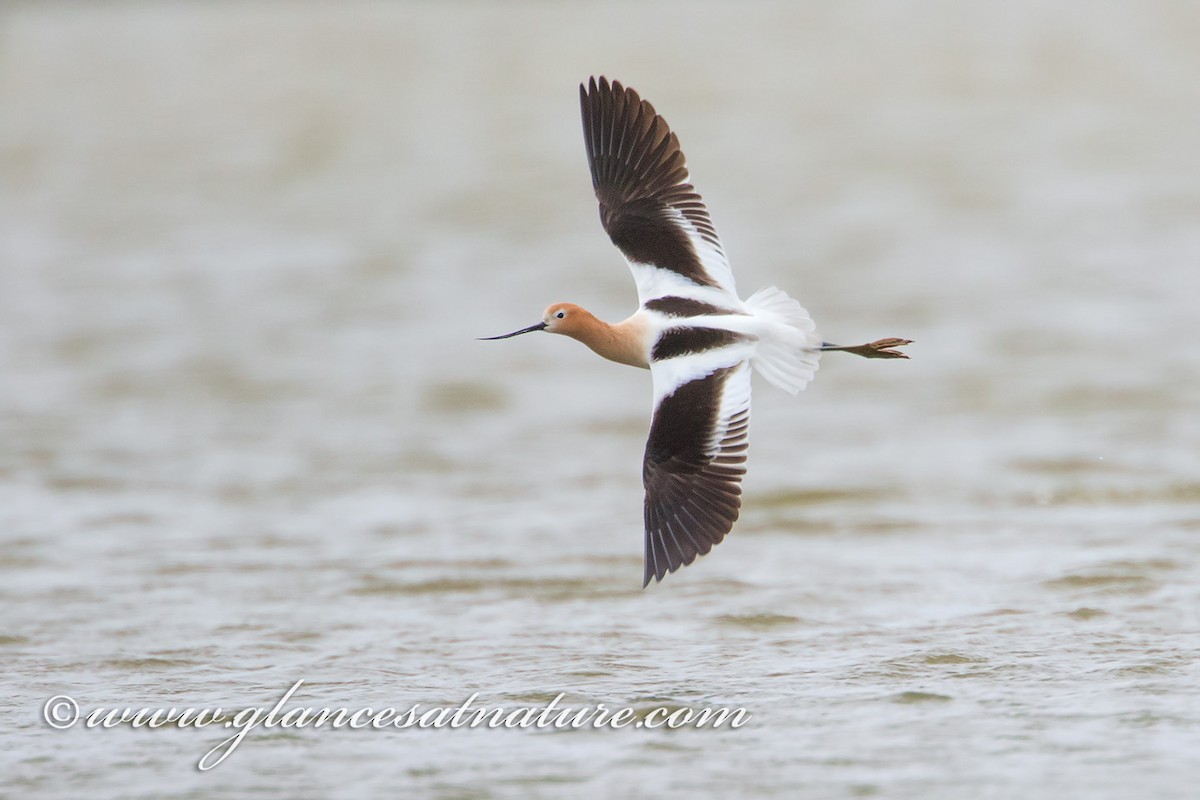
pixel 650 211
pixel 695 457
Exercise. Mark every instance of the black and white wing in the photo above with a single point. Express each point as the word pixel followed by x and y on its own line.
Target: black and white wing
pixel 647 206
pixel 694 463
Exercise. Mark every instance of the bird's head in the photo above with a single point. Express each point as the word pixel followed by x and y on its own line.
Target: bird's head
pixel 564 318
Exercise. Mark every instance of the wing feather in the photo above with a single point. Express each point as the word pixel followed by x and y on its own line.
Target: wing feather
pixel 647 206
pixel 693 467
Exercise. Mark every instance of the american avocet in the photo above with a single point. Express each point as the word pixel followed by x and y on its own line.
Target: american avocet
pixel 697 338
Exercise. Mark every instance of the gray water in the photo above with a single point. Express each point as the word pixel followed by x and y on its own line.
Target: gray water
pixel 247 437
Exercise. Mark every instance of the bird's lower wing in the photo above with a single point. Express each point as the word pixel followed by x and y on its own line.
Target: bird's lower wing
pixel 694 463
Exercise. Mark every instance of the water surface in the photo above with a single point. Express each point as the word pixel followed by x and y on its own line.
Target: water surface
pixel 248 438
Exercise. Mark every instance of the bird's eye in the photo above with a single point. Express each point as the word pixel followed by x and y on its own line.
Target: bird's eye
pixel 561 314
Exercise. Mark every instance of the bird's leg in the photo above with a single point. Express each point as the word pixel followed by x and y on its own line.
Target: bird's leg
pixel 880 348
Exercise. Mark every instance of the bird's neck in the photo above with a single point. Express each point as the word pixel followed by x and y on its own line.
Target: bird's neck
pixel 625 342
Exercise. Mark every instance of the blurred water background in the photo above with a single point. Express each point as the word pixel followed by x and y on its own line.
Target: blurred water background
pixel 247 437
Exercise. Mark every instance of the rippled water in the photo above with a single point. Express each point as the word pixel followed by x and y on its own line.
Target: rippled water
pixel 247 438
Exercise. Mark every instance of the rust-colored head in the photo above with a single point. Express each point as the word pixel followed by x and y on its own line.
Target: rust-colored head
pixel 567 319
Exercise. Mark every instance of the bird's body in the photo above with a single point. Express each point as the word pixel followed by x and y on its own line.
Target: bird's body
pixel 699 340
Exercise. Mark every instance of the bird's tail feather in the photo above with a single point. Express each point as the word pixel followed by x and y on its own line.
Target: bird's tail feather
pixel 788 356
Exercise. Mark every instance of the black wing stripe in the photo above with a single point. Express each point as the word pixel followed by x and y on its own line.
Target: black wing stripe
pixel 687 340
pixel 674 306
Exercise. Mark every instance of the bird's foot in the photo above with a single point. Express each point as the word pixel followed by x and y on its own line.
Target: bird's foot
pixel 880 348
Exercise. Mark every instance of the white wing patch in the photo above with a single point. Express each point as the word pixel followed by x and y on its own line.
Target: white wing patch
pixel 654 282
pixel 672 373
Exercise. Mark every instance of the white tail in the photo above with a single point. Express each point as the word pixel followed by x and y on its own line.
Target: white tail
pixel 788 355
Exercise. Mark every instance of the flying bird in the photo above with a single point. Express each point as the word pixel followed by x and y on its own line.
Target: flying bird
pixel 699 340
